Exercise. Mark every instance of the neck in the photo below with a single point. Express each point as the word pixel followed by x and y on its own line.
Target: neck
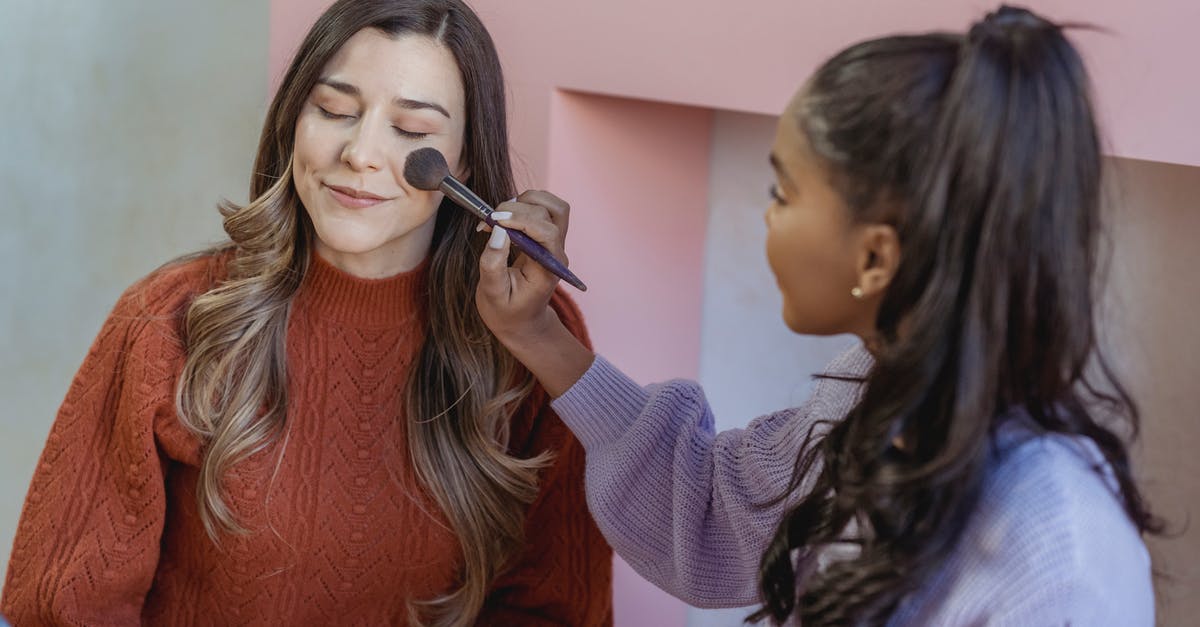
pixel 869 335
pixel 395 257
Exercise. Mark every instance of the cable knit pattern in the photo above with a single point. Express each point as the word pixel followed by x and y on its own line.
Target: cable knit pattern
pixel 341 531
pixel 1048 543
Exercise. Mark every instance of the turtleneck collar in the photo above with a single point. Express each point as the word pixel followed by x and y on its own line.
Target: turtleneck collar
pixel 334 295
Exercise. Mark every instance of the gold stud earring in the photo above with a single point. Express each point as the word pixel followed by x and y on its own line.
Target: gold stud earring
pixel 856 292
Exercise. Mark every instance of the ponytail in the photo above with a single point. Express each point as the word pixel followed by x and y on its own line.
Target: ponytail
pixel 982 152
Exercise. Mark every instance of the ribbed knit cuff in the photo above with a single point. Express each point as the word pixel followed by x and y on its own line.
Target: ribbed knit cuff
pixel 602 405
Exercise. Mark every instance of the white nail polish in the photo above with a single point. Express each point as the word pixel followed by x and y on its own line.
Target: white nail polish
pixel 498 238
pixel 479 227
pixel 501 215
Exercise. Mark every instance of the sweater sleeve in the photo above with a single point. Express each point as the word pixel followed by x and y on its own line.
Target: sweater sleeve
pixel 564 573
pixel 87 544
pixel 692 510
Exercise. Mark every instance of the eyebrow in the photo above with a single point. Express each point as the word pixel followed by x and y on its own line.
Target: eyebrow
pixel 403 103
pixel 778 165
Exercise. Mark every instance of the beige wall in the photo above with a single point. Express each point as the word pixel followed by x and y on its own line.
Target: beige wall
pixel 124 122
pixel 1153 300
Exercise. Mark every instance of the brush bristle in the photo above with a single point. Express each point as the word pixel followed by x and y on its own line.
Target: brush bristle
pixel 425 169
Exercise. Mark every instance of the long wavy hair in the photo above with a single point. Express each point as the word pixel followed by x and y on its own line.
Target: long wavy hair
pixel 464 386
pixel 982 151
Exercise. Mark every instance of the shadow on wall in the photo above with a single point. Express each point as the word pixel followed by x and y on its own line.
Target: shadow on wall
pixel 1149 321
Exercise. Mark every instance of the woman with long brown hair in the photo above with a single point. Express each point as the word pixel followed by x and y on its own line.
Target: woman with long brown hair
pixel 310 424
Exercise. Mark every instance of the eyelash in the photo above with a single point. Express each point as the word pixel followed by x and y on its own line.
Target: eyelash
pixel 409 134
pixel 773 192
pixel 332 116
pixel 326 113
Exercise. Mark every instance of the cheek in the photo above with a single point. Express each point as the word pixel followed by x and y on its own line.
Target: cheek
pixel 451 147
pixel 787 264
pixel 807 264
pixel 301 178
pixel 789 252
pixel 313 147
pixel 305 178
pixel 301 157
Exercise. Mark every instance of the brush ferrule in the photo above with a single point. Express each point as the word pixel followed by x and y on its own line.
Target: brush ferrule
pixel 459 193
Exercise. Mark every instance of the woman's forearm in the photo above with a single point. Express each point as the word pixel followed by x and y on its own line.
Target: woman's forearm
pixel 555 356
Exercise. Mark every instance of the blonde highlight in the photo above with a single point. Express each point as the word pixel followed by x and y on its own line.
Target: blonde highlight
pixel 470 387
pixel 233 388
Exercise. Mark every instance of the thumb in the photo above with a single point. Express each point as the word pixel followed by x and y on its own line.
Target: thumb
pixel 494 281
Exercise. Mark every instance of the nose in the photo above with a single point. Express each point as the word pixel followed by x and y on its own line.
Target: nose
pixel 364 151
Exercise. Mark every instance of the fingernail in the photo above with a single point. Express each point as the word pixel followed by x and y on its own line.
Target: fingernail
pixel 479 227
pixel 498 239
pixel 501 215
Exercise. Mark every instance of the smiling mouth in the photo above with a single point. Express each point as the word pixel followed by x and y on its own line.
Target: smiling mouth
pixel 354 198
pixel 355 193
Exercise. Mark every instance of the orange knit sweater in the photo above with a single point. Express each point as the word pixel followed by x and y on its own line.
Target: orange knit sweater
pixel 342 532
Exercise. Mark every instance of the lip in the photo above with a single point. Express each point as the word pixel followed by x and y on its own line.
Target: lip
pixel 354 198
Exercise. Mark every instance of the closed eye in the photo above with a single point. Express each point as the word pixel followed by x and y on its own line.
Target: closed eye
pixel 410 134
pixel 773 192
pixel 326 113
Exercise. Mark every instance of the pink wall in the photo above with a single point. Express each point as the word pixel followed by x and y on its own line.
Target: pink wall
pixel 636 166
pixel 290 21
pixel 630 206
pixel 719 54
pixel 725 55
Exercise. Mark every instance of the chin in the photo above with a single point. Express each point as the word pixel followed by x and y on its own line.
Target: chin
pixel 797 329
pixel 349 241
pixel 791 323
pixel 812 327
pixel 805 325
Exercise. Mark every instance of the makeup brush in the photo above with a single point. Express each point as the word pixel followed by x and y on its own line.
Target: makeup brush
pixel 426 169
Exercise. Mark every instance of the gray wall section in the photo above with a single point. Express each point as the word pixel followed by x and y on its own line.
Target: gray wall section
pixel 124 123
pixel 750 363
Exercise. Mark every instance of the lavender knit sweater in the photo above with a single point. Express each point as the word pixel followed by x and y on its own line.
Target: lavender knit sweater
pixel 1048 544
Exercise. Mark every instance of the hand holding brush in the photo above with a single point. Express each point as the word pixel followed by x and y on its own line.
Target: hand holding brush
pixel 426 169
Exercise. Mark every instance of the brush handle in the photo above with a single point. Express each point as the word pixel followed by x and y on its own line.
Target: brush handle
pixel 467 199
pixel 538 253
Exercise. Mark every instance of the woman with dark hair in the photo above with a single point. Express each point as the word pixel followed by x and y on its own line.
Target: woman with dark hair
pixel 311 424
pixel 939 196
